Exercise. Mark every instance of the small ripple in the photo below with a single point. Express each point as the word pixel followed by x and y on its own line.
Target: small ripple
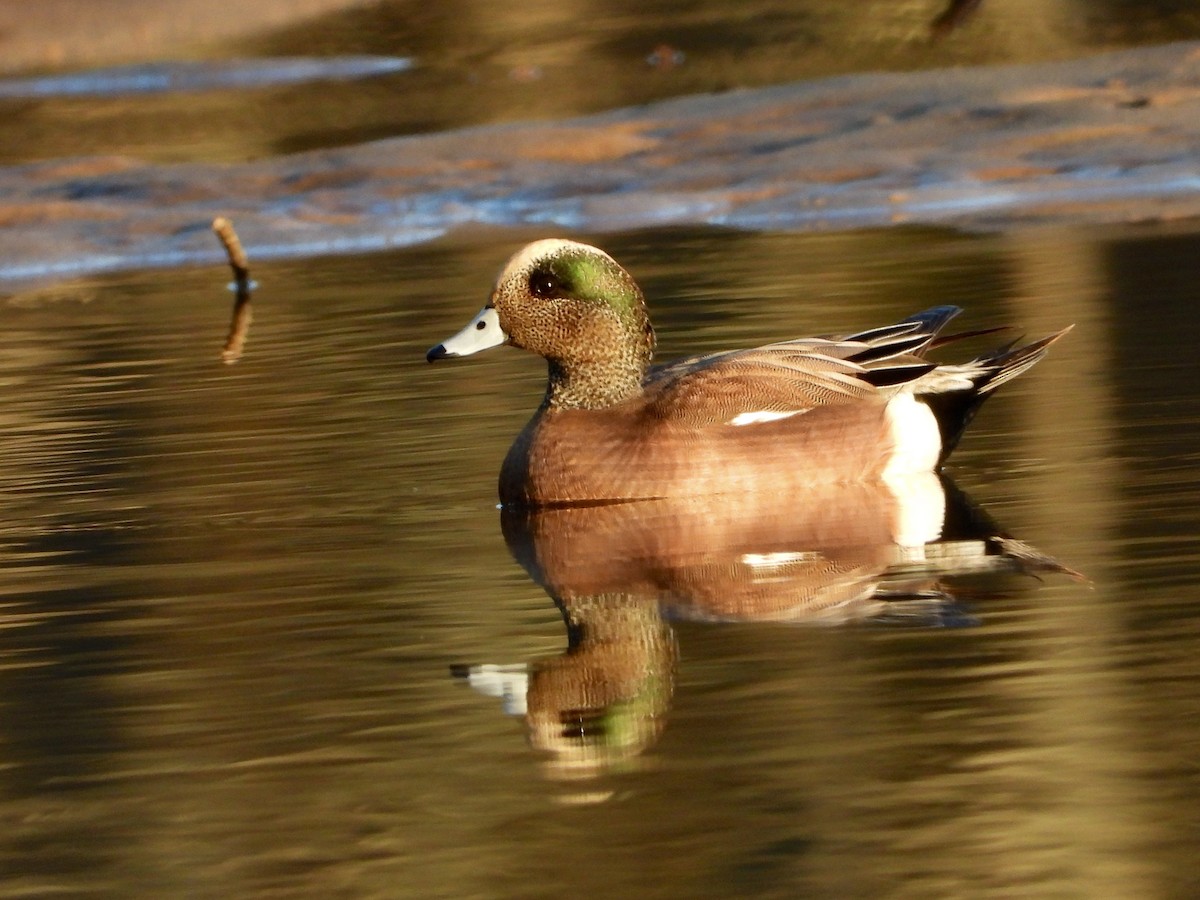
pixel 158 78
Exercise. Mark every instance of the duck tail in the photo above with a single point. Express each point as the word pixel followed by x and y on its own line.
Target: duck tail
pixel 1006 363
pixel 955 392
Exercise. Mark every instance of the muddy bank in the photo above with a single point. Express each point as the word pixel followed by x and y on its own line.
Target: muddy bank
pixel 1105 139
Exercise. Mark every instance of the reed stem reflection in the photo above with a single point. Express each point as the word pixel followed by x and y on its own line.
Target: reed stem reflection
pixel 239 324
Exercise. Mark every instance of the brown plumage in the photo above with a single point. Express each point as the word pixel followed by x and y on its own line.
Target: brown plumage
pixel 775 418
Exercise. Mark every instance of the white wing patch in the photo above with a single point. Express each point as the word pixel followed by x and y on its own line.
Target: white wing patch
pixel 763 415
pixel 778 559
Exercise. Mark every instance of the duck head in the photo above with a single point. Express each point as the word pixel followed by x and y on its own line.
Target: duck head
pixel 574 305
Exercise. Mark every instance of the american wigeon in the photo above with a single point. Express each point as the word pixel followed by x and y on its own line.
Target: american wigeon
pixel 777 418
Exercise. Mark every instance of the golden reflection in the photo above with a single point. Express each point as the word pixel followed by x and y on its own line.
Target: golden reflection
pixel 1073 427
pixel 490 62
pixel 620 573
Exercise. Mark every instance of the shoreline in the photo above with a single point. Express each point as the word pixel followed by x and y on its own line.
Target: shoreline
pixel 1100 140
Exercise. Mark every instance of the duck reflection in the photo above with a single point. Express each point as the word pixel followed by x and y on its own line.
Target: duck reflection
pixel 621 572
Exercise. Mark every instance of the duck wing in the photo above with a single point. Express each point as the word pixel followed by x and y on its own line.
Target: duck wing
pixel 744 387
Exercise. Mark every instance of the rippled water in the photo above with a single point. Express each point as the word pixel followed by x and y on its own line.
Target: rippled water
pixel 478 63
pixel 264 632
pixel 238 600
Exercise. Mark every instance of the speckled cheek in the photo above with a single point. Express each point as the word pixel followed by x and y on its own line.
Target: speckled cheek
pixel 546 328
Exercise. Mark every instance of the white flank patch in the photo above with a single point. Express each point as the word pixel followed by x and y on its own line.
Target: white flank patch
pixel 763 415
pixel 920 512
pixel 916 440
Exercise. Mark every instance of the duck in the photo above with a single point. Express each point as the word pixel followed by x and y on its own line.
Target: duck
pixel 777 419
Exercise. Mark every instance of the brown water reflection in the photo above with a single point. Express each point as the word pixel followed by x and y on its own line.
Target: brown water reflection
pixel 231 595
pixel 619 572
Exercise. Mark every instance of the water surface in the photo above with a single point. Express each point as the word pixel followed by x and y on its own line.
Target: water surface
pixel 479 62
pixel 238 602
pixel 234 595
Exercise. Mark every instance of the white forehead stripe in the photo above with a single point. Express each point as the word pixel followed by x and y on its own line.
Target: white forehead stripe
pixel 531 253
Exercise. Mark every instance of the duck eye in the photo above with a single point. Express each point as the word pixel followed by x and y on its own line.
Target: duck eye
pixel 543 284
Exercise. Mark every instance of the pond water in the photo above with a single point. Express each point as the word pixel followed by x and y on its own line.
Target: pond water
pixel 479 62
pixel 239 599
pixel 265 633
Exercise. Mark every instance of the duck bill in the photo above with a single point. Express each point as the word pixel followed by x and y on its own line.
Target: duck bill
pixel 484 331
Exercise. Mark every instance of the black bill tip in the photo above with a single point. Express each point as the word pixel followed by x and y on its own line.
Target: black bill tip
pixel 438 352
